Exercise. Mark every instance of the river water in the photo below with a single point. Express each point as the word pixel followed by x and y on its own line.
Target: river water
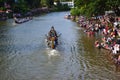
pixel 25 56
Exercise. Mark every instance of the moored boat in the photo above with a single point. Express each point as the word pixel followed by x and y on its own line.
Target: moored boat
pixel 22 20
pixel 68 16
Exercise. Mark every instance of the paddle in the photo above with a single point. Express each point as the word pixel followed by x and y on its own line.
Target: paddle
pixel 59 35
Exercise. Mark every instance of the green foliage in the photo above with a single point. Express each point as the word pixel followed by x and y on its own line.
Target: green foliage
pixel 21 6
pixel 65 0
pixel 43 3
pixel 97 7
pixel 75 12
pixel 60 7
pixel 33 4
pixel 2 8
pixel 50 3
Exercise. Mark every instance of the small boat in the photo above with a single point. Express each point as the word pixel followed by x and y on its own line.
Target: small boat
pixel 22 20
pixel 68 16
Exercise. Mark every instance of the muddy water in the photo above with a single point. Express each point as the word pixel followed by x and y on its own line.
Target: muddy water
pixel 25 56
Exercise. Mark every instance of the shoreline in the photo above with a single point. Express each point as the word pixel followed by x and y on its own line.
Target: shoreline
pixel 109 28
pixel 32 12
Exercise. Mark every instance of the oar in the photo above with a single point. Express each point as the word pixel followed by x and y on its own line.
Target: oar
pixel 59 35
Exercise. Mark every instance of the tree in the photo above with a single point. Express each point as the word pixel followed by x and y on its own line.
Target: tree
pixel 34 4
pixel 97 7
pixel 50 3
pixel 43 3
pixel 75 12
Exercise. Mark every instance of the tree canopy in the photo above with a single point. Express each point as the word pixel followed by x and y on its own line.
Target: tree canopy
pixel 25 5
pixel 97 7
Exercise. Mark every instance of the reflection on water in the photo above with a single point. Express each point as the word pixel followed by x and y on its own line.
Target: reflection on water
pixel 24 55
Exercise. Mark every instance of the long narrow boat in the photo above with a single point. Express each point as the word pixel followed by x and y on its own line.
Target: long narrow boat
pixel 51 42
pixel 22 20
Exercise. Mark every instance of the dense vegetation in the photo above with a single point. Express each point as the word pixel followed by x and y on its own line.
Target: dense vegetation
pixel 86 7
pixel 26 5
pixel 95 7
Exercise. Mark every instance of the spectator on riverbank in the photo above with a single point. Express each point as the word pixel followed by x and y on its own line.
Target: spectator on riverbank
pixel 108 25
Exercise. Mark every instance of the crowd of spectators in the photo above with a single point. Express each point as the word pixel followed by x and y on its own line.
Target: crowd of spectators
pixel 109 28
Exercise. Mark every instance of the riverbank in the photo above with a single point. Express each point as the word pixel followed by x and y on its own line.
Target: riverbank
pixel 30 13
pixel 33 12
pixel 109 29
pixel 24 54
pixel 23 17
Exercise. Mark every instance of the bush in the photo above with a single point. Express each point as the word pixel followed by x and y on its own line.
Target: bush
pixel 61 7
pixel 75 12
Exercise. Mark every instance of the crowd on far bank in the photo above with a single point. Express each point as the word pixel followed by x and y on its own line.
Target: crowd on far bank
pixel 109 28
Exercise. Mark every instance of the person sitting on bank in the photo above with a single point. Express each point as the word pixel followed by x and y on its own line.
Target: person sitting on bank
pixel 119 58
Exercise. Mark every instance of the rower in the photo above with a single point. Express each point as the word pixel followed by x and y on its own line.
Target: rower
pixel 53 33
